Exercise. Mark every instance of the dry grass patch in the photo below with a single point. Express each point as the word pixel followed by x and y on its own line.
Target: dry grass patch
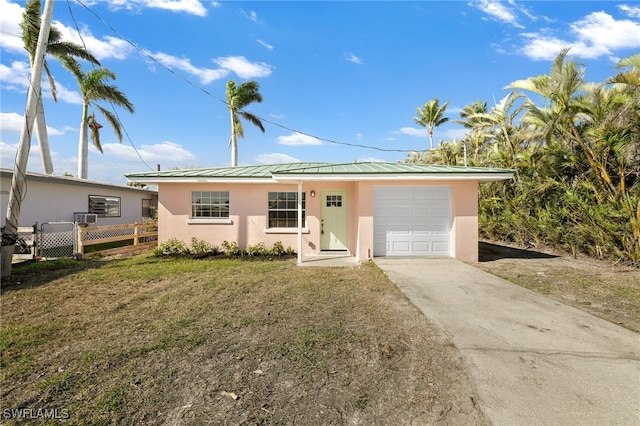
pixel 147 340
pixel 602 288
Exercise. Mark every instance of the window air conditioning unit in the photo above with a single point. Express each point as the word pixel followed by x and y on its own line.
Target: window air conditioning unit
pixel 85 217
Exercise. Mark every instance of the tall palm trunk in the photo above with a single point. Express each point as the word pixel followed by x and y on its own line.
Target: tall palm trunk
pixel 83 144
pixel 43 138
pixel 234 142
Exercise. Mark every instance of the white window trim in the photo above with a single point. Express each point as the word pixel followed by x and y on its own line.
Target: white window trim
pixel 210 221
pixel 285 230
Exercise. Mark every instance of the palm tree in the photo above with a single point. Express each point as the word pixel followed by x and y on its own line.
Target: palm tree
pixel 94 87
pixel 431 115
pixel 629 77
pixel 476 134
pixel 239 97
pixel 30 26
pixel 499 124
pixel 566 89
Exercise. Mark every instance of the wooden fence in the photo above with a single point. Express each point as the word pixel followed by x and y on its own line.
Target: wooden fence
pixel 90 241
pixel 143 236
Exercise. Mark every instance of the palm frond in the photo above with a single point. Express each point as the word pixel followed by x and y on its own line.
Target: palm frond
pixel 95 127
pixel 113 121
pixel 252 119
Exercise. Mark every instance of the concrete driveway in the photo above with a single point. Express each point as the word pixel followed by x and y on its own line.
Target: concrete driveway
pixel 533 361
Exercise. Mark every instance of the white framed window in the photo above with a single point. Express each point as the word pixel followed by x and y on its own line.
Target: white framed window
pixel 104 206
pixel 283 210
pixel 210 205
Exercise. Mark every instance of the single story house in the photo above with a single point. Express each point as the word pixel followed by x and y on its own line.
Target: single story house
pixel 51 198
pixel 363 209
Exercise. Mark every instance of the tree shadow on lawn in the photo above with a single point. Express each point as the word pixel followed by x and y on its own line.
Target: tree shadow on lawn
pixel 488 252
pixel 36 273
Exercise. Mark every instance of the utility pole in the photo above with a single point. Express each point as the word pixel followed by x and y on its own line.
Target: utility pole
pixel 16 195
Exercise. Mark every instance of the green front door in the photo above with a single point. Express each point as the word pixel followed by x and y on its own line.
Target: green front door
pixel 333 223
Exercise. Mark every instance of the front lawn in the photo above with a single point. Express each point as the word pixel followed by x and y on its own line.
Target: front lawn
pixel 147 340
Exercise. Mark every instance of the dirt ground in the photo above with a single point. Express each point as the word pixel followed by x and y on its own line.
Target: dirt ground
pixel 603 288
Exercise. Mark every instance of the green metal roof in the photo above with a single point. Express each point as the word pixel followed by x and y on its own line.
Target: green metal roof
pixel 304 171
pixel 383 168
pixel 260 171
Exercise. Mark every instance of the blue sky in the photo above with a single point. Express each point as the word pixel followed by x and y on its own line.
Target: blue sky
pixel 348 72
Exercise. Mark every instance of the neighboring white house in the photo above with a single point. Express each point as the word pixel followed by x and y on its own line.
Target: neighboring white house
pixel 58 198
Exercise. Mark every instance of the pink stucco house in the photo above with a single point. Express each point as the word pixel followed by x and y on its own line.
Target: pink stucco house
pixel 363 209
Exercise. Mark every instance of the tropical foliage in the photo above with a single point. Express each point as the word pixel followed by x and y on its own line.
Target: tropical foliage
pixel 575 150
pixel 57 48
pixel 94 86
pixel 431 115
pixel 239 97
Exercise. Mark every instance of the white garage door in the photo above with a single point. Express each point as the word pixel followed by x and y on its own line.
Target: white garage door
pixel 412 221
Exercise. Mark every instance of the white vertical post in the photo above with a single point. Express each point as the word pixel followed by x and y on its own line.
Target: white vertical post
pixel 17 192
pixel 299 223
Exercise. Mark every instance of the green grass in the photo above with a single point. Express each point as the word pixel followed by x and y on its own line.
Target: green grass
pixel 118 341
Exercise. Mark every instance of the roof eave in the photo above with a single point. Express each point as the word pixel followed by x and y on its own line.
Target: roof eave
pixel 157 180
pixel 479 177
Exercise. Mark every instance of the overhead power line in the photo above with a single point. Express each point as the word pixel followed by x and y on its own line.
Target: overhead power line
pixel 217 98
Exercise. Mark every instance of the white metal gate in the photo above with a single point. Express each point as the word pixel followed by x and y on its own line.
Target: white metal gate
pixel 57 239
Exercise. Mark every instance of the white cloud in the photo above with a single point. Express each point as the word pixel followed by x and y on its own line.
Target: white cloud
pixel 107 47
pixel 243 68
pixel 597 34
pixel 265 44
pixel 12 122
pixel 632 11
pixel 252 15
pixel 17 74
pixel 455 134
pixel 8 156
pixel 412 131
pixel 193 7
pixel 540 46
pixel 275 158
pixel 603 33
pixel 10 18
pixel 370 160
pixel 205 75
pixel 236 64
pixel 16 77
pixel 65 95
pixel 497 10
pixel 353 58
pixel 298 139
pixel 151 153
pixel 359 136
pixel 10 36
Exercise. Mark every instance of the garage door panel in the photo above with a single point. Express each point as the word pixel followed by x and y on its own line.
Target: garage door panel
pixel 421 247
pixel 441 212
pixel 402 211
pixel 440 246
pixel 412 221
